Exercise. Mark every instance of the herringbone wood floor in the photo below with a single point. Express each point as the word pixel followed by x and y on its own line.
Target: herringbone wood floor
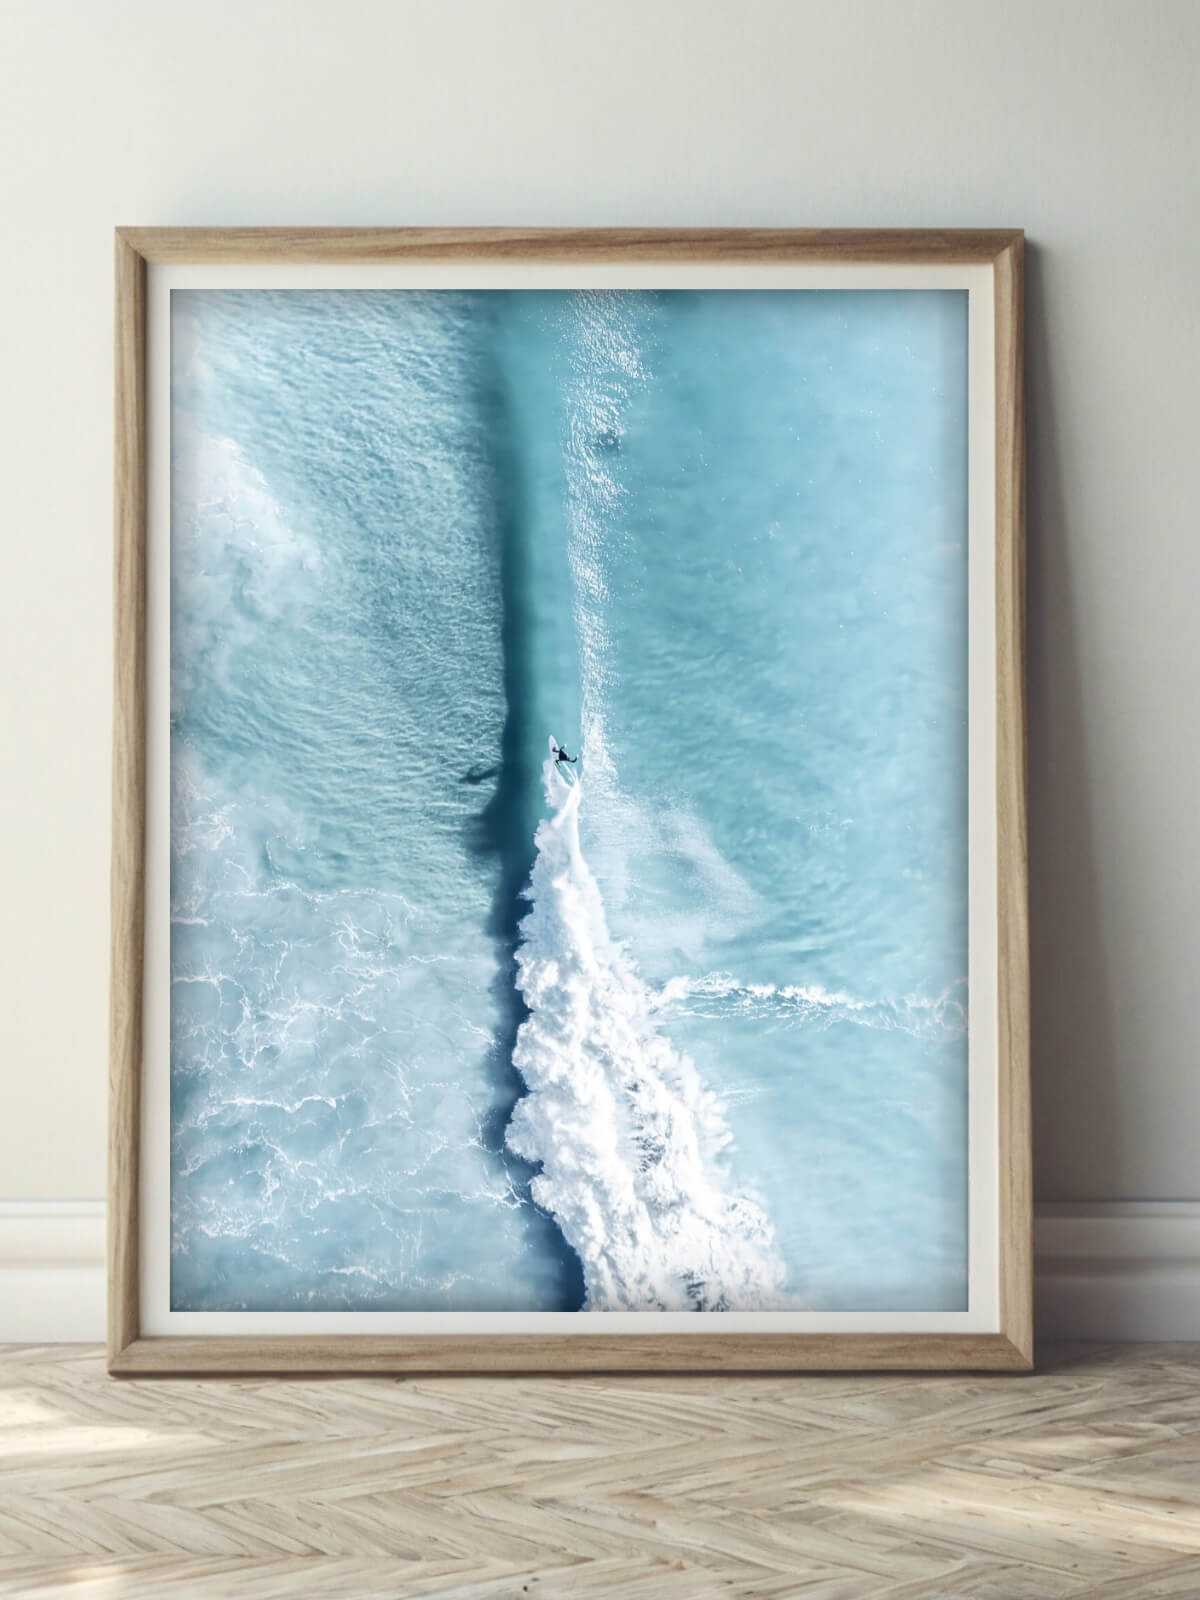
pixel 1082 1480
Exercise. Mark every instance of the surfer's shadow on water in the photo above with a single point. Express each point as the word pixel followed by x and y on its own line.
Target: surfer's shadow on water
pixel 478 775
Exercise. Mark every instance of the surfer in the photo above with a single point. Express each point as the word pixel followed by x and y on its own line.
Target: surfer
pixel 561 755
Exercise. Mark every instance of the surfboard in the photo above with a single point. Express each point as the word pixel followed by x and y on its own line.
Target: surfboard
pixel 564 771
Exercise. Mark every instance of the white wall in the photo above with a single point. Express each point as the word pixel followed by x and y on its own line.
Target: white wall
pixel 1075 119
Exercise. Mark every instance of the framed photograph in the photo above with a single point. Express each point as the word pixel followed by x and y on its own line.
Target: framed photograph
pixel 569 864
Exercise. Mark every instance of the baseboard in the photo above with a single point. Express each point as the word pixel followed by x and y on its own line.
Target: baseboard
pixel 1120 1270
pixel 1128 1270
pixel 51 1271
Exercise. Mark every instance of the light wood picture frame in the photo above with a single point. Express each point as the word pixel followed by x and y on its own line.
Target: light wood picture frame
pixel 1000 1129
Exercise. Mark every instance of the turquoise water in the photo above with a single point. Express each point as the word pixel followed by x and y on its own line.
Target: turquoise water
pixel 717 542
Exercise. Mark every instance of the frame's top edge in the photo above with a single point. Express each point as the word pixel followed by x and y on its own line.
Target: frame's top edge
pixel 976 246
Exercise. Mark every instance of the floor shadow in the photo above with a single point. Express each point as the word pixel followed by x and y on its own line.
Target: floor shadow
pixel 504 829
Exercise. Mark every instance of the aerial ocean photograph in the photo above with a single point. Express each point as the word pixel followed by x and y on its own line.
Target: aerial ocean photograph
pixel 569 800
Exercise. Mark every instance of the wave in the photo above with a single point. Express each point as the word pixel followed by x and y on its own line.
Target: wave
pixel 629 1139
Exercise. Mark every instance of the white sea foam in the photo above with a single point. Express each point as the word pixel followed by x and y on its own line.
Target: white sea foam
pixel 722 994
pixel 237 559
pixel 629 1138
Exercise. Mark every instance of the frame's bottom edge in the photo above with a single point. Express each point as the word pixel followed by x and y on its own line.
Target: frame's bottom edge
pixel 545 1354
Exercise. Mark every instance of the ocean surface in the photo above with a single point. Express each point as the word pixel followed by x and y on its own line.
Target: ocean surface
pixel 683 1029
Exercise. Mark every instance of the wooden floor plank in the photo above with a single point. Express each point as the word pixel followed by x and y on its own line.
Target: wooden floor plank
pixel 1081 1482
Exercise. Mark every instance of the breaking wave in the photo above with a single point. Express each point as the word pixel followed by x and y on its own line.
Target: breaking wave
pixel 629 1139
